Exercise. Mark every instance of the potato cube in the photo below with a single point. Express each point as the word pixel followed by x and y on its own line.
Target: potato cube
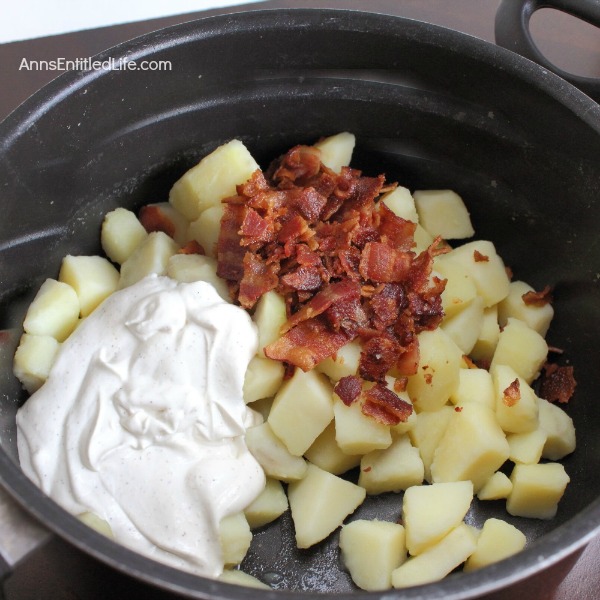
pixel 465 326
pixel 522 348
pixel 195 267
pixel 215 177
pixel 516 402
pixel 401 203
pixel 559 429
pixel 206 228
pixel 151 256
pixel 391 470
pixel 92 277
pixel 422 239
pixel 272 454
pixel 498 486
pixel 486 343
pixel 437 561
pixel 336 150
pixel 526 447
pixel 473 447
pixel 343 363
pixel 54 311
pixel 474 385
pixel 235 537
pixel 498 540
pixel 443 212
pixel 437 375
pixel 162 216
pixel 327 455
pixel 460 290
pixel 270 315
pixel 33 360
pixel 513 306
pixel 121 234
pixel 319 503
pixel 301 410
pixel 485 268
pixel 430 512
pixel 237 577
pixel 537 489
pixel 371 550
pixel 263 379
pixel 270 504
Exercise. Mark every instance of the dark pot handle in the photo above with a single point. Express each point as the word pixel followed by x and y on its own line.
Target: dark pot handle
pixel 512 32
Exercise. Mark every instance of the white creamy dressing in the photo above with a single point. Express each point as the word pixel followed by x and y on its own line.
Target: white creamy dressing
pixel 142 421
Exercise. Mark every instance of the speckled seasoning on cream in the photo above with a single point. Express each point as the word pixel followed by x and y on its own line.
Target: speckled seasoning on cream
pixel 142 421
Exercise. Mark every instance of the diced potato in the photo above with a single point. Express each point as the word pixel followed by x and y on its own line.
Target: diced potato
pixel 121 234
pixel 336 150
pixel 427 434
pixel 345 362
pixel 473 447
pixel 522 348
pixel 215 177
pixel 485 268
pixel 391 470
pixel 437 561
pixel 205 229
pixel 237 577
pixel 516 407
pixel 235 536
pixel 95 522
pixel 537 489
pixel 422 239
pixel 326 454
pixel 437 376
pixel 301 410
pixel 268 506
pixel 92 277
pixel 498 540
pixel 272 454
pixel 401 203
pixel 430 512
pixel 196 267
pixel 263 379
pixel 319 503
pixel 465 326
pixel 33 360
pixel 474 385
pixel 355 432
pixel 460 290
pixel 498 486
pixel 513 306
pixel 486 343
pixel 559 429
pixel 371 550
pixel 526 447
pixel 443 212
pixel 151 256
pixel 54 311
pixel 270 315
pixel 162 216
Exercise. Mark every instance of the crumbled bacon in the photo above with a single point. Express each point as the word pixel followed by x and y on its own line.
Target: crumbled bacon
pixel 192 247
pixel 479 257
pixel 512 394
pixel 155 219
pixel 385 406
pixel 538 298
pixel 558 383
pixel 348 389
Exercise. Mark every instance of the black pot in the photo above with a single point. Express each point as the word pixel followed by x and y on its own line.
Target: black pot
pixel 430 108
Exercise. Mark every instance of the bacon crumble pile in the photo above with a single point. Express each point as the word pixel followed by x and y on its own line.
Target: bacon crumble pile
pixel 345 265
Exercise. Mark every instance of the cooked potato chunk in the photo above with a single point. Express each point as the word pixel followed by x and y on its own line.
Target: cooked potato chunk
pixel 235 536
pixel 319 503
pixel 54 311
pixel 195 267
pixel 401 203
pixel 33 360
pixel 498 486
pixel 92 277
pixel 486 343
pixel 464 327
pixel 268 506
pixel 559 429
pixel 327 455
pixel 345 362
pixel 371 550
pixel 460 290
pixel 526 447
pixel 212 179
pixel 205 229
pixel 474 385
pixel 497 540
pixel 538 317
pixel 269 316
pixel 336 150
pixel 516 402
pixel 237 577
pixel 443 212
pixel 263 379
pixel 537 489
pixel 121 234
pixel 430 512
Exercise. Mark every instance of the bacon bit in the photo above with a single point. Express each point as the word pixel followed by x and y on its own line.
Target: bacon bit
pixel 154 219
pixel 192 247
pixel 478 257
pixel 470 364
pixel 512 394
pixel 259 277
pixel 367 469
pixel 458 408
pixel 558 383
pixel 428 378
pixel 400 384
pixel 538 298
pixel 385 406
pixel 348 389
pixel 555 350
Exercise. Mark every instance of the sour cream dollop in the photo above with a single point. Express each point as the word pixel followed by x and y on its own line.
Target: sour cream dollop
pixel 142 421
